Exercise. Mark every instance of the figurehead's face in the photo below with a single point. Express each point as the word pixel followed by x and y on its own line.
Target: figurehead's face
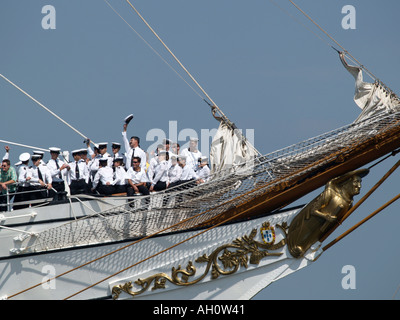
pixel 353 186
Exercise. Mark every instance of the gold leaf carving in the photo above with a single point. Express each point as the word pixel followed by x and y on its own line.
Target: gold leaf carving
pixel 225 260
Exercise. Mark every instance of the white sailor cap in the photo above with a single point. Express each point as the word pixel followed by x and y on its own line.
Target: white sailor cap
pixel 203 159
pixel 194 139
pixel 116 145
pixel 40 153
pixel 55 149
pixel 119 159
pixel 104 159
pixel 83 150
pixel 36 157
pixel 77 151
pixel 181 158
pixel 162 152
pixel 24 157
pixel 102 145
pixel 18 163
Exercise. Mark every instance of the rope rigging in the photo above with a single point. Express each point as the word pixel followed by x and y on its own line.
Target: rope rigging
pixel 221 117
pixel 347 53
pixel 44 107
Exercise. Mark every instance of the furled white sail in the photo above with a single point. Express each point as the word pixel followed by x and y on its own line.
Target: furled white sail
pixel 372 98
pixel 229 149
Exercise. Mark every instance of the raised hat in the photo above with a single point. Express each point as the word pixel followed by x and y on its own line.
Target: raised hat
pixel 128 118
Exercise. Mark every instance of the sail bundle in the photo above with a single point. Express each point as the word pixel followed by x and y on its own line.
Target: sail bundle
pixel 372 98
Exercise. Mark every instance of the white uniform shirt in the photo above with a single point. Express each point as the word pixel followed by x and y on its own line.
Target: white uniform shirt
pixel 56 174
pixel 33 173
pixel 204 173
pixel 192 158
pixel 136 176
pixel 152 166
pixel 160 172
pixel 94 164
pixel 188 173
pixel 174 173
pixel 120 176
pixel 103 175
pixel 83 171
pixel 22 175
pixel 129 151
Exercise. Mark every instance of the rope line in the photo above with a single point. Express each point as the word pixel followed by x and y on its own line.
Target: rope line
pixel 44 107
pixel 214 106
pixel 362 200
pixel 337 43
pixel 361 223
pixel 176 59
pixel 154 50
pixel 23 145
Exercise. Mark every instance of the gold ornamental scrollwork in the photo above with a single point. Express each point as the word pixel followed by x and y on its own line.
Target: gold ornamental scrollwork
pixel 225 260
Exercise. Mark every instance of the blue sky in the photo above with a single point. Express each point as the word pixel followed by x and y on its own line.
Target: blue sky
pixel 266 71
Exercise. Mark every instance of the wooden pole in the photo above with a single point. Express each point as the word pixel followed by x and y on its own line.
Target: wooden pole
pixel 348 213
pixel 330 244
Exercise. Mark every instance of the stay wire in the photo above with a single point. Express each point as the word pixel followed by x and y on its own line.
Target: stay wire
pixel 336 42
pixel 213 105
pixel 44 107
pixel 154 50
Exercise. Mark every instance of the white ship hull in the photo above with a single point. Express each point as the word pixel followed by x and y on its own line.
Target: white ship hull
pixel 245 276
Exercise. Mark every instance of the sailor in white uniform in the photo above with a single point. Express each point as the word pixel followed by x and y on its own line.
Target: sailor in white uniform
pixel 188 174
pixel 103 181
pixel 192 154
pixel 174 172
pixel 58 170
pixel 154 162
pixel 78 174
pixel 120 175
pixel 132 149
pixel 39 178
pixel 23 182
pixel 42 163
pixel 159 182
pixel 137 179
pixel 204 171
pixel 116 150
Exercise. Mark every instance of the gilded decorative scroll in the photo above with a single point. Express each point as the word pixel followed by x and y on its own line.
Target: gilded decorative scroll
pixel 225 260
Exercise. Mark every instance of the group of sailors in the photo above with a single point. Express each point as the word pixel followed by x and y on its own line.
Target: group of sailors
pixel 97 171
